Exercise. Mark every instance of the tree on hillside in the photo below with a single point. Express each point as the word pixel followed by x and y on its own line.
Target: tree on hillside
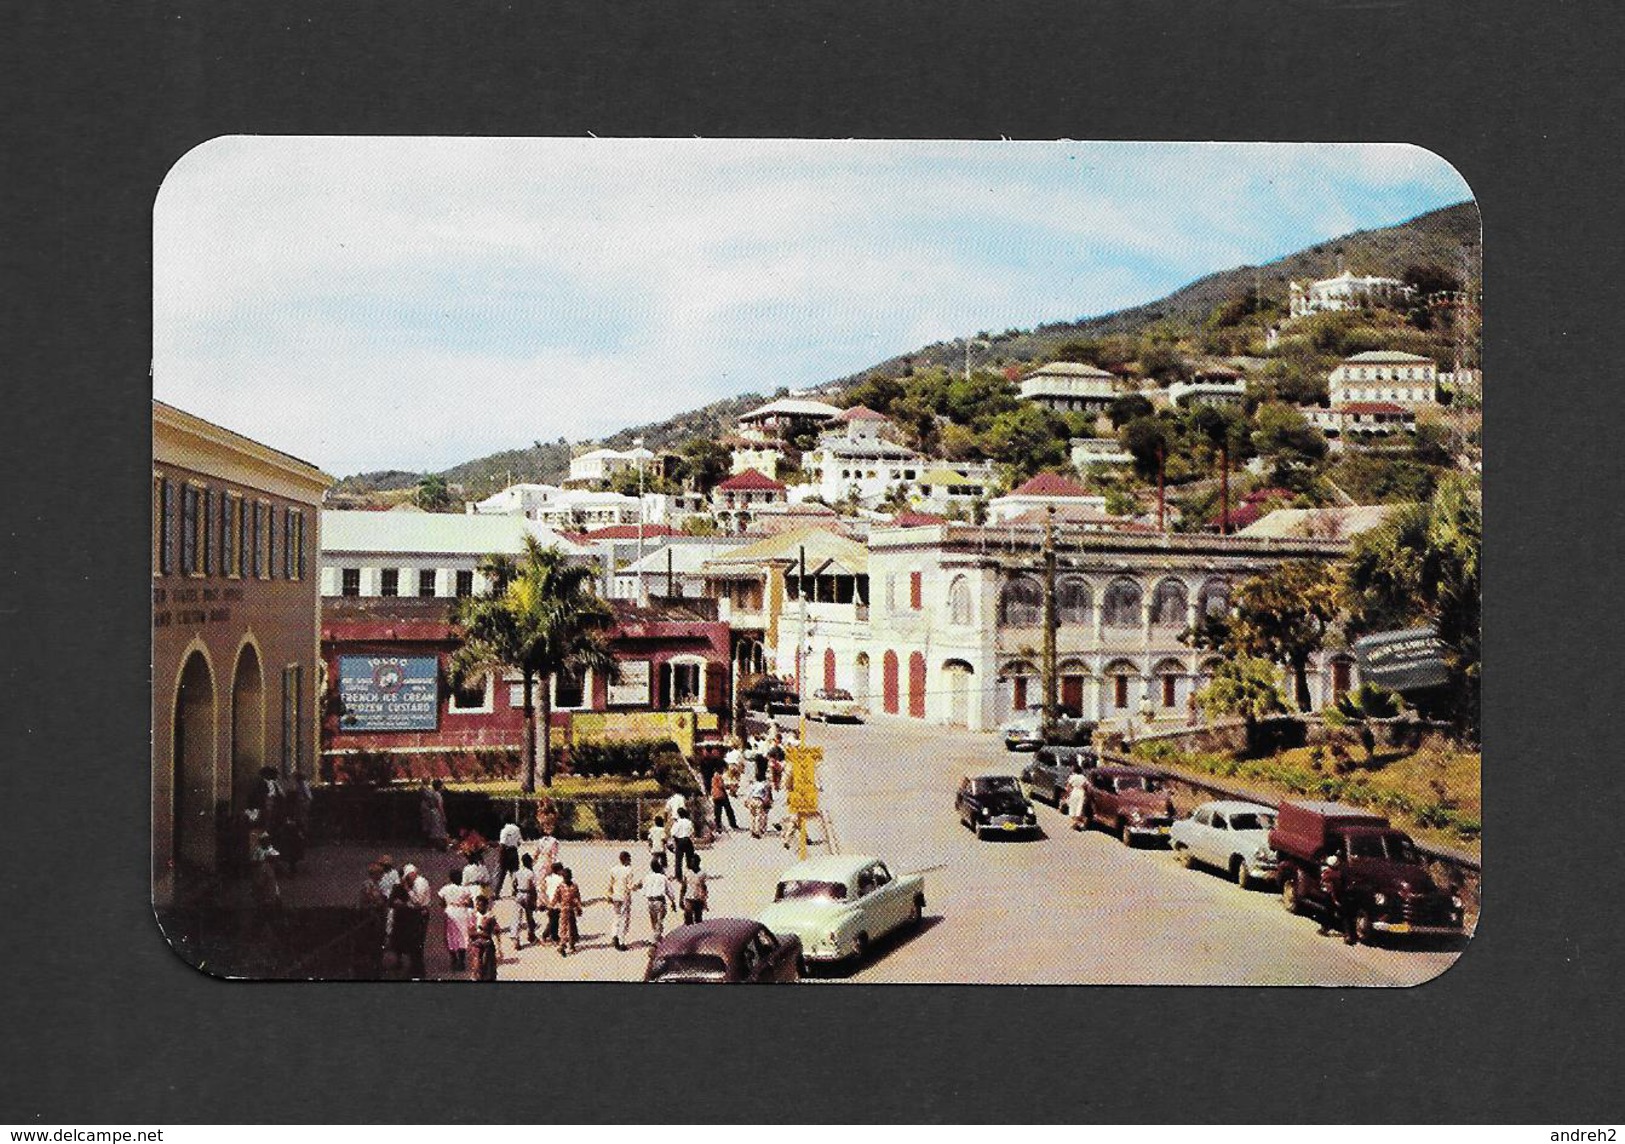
pixel 1430 278
pixel 1284 615
pixel 877 393
pixel 1148 440
pixel 1421 566
pixel 1292 445
pixel 1128 407
pixel 1243 686
pixel 1225 431
pixel 432 494
pixel 540 617
pixel 706 462
pixel 1027 439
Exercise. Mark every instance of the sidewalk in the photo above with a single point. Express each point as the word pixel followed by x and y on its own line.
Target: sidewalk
pixel 741 873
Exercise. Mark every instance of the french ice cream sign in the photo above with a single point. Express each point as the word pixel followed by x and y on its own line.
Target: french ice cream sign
pixel 388 692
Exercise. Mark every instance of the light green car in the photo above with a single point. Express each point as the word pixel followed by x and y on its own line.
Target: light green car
pixel 840 905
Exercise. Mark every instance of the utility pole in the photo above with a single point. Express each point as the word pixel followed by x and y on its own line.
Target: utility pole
pixel 1050 623
pixel 801 653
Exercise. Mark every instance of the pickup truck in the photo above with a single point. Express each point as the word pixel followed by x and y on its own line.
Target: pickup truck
pixel 1389 889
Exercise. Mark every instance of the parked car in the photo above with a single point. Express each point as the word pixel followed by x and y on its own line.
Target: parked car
pixel 994 804
pixel 831 704
pixel 724 951
pixel 1231 836
pixel 841 904
pixel 1045 777
pixel 1023 731
pixel 1389 889
pixel 772 697
pixel 1131 802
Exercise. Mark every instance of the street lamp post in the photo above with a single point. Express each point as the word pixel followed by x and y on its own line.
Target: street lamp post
pixel 637 446
pixel 969 342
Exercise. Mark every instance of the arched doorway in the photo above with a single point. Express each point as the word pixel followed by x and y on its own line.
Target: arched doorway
pixel 888 683
pixel 193 763
pixel 916 685
pixel 829 669
pixel 247 726
pixel 956 674
pixel 1074 675
pixel 860 678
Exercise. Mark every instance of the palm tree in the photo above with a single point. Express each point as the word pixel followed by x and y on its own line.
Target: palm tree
pixel 541 618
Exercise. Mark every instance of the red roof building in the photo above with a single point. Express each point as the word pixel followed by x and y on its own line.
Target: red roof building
pixel 1050 485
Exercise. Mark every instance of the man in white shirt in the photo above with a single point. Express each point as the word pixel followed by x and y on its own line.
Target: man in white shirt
pixel 524 893
pixel 682 842
pixel 620 897
pixel 391 877
pixel 550 899
pixel 654 892
pixel 475 876
pixel 758 800
pixel 508 840
pixel 420 896
pixel 674 804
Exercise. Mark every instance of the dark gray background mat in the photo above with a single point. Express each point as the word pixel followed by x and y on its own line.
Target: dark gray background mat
pixel 104 1024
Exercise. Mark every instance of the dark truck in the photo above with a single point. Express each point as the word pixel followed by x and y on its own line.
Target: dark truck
pixel 1389 889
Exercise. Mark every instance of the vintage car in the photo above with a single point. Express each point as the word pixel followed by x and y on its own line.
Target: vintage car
pixel 1131 802
pixel 1023 731
pixel 994 804
pixel 1230 836
pixel 833 704
pixel 1045 777
pixel 839 905
pixel 725 950
pixel 772 697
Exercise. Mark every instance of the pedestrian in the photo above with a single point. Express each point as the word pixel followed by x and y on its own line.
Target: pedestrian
pixel 547 851
pixel 420 896
pixel 655 891
pixel 432 815
pixel 390 878
pixel 569 909
pixel 476 875
pixel 674 803
pixel 289 835
pixel 372 925
pixel 758 800
pixel 458 903
pixel 1076 796
pixel 682 840
pixel 266 797
pixel 1334 885
pixel 657 836
pixel 620 897
pixel 550 900
pixel 720 806
pixel 267 893
pixel 695 894
pixel 508 839
pixel 482 939
pixel 525 897
pixel 401 930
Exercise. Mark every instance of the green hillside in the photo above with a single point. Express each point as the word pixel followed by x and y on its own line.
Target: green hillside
pixel 1449 238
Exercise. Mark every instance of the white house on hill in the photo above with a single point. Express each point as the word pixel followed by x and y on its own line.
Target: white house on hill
pixel 1070 387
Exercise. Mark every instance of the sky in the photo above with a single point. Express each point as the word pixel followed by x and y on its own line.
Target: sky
pixel 400 303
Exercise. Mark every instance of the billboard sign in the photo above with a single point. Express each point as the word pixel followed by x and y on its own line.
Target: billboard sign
pixel 389 692
pixel 1409 660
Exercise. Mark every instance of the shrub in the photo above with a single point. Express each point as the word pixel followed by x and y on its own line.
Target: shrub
pixel 366 768
pixel 618 819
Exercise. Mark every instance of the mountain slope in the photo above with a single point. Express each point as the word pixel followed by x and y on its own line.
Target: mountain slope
pixel 1449 237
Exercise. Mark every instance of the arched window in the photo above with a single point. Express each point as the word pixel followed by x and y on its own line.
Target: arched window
pixel 1021 603
pixel 959 604
pixel 1169 603
pixel 1072 600
pixel 1122 605
pixel 1214 599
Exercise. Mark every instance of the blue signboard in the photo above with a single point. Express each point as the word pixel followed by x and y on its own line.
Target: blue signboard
pixel 389 692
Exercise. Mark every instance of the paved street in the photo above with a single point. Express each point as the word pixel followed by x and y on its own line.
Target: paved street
pixel 1066 908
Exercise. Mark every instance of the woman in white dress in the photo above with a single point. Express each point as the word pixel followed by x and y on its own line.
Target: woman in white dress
pixel 459 903
pixel 1074 797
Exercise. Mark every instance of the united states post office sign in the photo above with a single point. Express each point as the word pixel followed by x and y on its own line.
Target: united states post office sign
pixel 389 692
pixel 1411 660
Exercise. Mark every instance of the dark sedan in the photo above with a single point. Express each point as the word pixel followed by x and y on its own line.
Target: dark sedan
pixel 1046 775
pixel 994 804
pixel 726 951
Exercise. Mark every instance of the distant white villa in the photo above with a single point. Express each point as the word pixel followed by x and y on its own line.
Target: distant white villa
pixel 1070 387
pixel 1347 291
pixel 602 464
pixel 1385 375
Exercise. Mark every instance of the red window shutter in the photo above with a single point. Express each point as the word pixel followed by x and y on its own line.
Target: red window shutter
pixel 914 591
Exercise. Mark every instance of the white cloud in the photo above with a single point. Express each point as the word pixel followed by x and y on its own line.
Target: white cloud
pixel 414 303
